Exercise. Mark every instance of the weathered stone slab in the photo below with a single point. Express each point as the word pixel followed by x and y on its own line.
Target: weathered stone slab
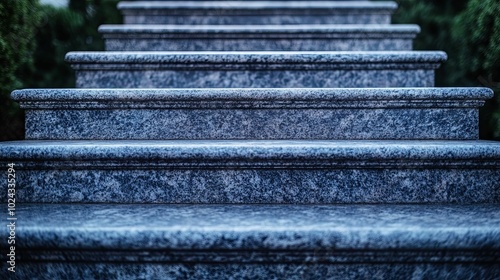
pixel 400 113
pixel 256 12
pixel 309 172
pixel 257 241
pixel 259 38
pixel 254 69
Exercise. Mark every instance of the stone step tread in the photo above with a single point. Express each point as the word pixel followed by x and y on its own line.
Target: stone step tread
pixel 304 172
pixel 256 241
pixel 331 30
pixel 399 113
pixel 316 58
pixel 258 227
pixel 425 96
pixel 258 5
pixel 296 152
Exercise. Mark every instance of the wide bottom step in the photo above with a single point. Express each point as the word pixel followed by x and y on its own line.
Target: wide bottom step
pixel 169 241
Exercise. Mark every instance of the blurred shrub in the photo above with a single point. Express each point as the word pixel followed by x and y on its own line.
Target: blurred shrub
pixel 64 30
pixel 18 19
pixel 476 34
pixel 469 31
pixel 33 42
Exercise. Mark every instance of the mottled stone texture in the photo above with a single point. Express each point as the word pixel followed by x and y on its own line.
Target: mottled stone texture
pixel 257 241
pixel 254 69
pixel 399 113
pixel 178 270
pixel 259 78
pixel 257 12
pixel 259 38
pixel 326 158
pixel 253 124
pixel 256 171
pixel 216 44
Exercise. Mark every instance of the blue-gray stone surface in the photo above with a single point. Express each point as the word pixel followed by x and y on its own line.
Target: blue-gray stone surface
pixel 257 241
pixel 257 12
pixel 255 171
pixel 389 113
pixel 259 38
pixel 255 69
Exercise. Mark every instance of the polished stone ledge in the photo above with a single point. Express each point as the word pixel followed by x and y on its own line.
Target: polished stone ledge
pixel 257 241
pixel 255 171
pixel 255 69
pixel 257 12
pixel 397 113
pixel 265 38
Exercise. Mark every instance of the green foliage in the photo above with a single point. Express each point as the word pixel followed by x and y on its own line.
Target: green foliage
pixel 54 31
pixel 55 37
pixel 476 34
pixel 435 19
pixel 18 19
pixel 469 31
pixel 64 30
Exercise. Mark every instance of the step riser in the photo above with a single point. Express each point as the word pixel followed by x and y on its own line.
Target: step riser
pixel 117 183
pixel 215 19
pixel 131 44
pixel 253 78
pixel 252 124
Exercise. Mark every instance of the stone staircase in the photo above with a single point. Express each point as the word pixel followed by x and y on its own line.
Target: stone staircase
pixel 254 140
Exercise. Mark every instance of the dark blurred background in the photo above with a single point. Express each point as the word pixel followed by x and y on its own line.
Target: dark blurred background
pixel 34 39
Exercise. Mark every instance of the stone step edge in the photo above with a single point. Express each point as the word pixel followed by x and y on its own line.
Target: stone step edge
pixel 315 31
pixel 132 60
pixel 301 154
pixel 258 233
pixel 252 98
pixel 293 7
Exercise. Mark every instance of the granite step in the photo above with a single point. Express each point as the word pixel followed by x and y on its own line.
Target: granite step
pixel 256 12
pixel 109 241
pixel 255 69
pixel 259 38
pixel 223 114
pixel 244 171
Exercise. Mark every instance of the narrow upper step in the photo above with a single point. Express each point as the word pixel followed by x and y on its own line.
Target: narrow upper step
pixel 388 113
pixel 257 12
pixel 351 171
pixel 268 241
pixel 343 37
pixel 255 69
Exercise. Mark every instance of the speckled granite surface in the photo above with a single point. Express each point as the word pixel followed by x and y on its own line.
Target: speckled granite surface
pixel 268 37
pixel 256 171
pixel 254 69
pixel 248 241
pixel 257 12
pixel 414 113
